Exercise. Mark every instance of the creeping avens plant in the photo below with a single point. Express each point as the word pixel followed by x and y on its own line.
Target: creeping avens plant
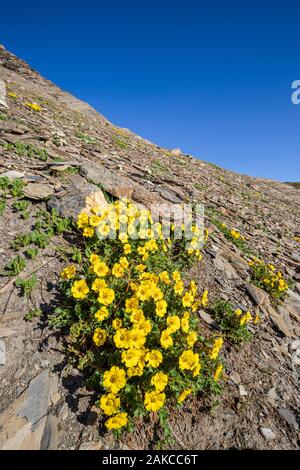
pixel 131 316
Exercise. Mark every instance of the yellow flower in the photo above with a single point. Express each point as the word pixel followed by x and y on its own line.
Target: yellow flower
pixel 114 379
pixel 88 232
pixel 187 299
pixel 246 318
pixel 100 268
pixel 94 259
pixel 195 305
pixel 80 289
pixel 191 339
pixel 137 316
pixel 33 106
pixel 218 372
pixel 178 288
pixel 196 370
pixel 256 319
pixel 173 323
pixel 143 292
pixel 216 348
pixel 188 360
pixel 99 337
pixel 124 262
pixel 117 270
pixel 122 338
pixel 157 293
pixel 154 358
pixel 131 304
pixel 238 312
pixel 141 250
pixel 116 422
pixel 185 326
pixel 110 404
pixel 204 299
pixel 123 237
pixel 164 277
pixel 83 220
pixel 145 326
pixel 101 314
pixel 176 276
pixel 12 95
pixel 137 337
pixel 106 296
pixel 193 287
pixel 159 381
pixel 127 249
pixel 184 395
pixel 154 400
pixel 161 308
pixel 98 284
pixel 104 229
pixel 117 323
pixel 135 371
pixel 68 272
pixel 131 357
pixel 166 339
pixel 141 267
pixel 95 220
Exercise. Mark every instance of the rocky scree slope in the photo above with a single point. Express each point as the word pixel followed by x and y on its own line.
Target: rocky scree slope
pixel 64 150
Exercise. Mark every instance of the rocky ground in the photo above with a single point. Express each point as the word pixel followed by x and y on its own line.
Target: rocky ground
pixel 44 403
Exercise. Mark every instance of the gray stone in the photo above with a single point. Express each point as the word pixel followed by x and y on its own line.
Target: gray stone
pixel 22 424
pixel 239 264
pixel 259 296
pixel 3 95
pixel 278 321
pixel 226 268
pixel 12 174
pixel 206 317
pixel 243 391
pixel 289 417
pixel 111 182
pixel 235 377
pixel 169 196
pixel 76 198
pixel 90 446
pixel 38 191
pixel 267 434
pixel 4 332
pixel 50 435
pixel 37 402
pixel 294 344
pixel 2 353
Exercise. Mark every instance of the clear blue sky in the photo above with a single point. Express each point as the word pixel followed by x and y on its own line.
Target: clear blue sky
pixel 213 78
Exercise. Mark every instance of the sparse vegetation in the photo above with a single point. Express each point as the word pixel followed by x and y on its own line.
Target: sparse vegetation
pixel 33 313
pixel 86 138
pixel 267 277
pixel 233 321
pixel 27 150
pixel 15 266
pixel 26 286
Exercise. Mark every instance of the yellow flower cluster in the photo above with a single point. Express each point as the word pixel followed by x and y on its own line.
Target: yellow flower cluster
pixel 12 95
pixel 268 277
pixel 141 315
pixel 216 348
pixel 33 106
pixel 235 234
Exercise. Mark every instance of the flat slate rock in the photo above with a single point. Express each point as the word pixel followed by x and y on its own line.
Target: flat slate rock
pixel 74 199
pixel 38 191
